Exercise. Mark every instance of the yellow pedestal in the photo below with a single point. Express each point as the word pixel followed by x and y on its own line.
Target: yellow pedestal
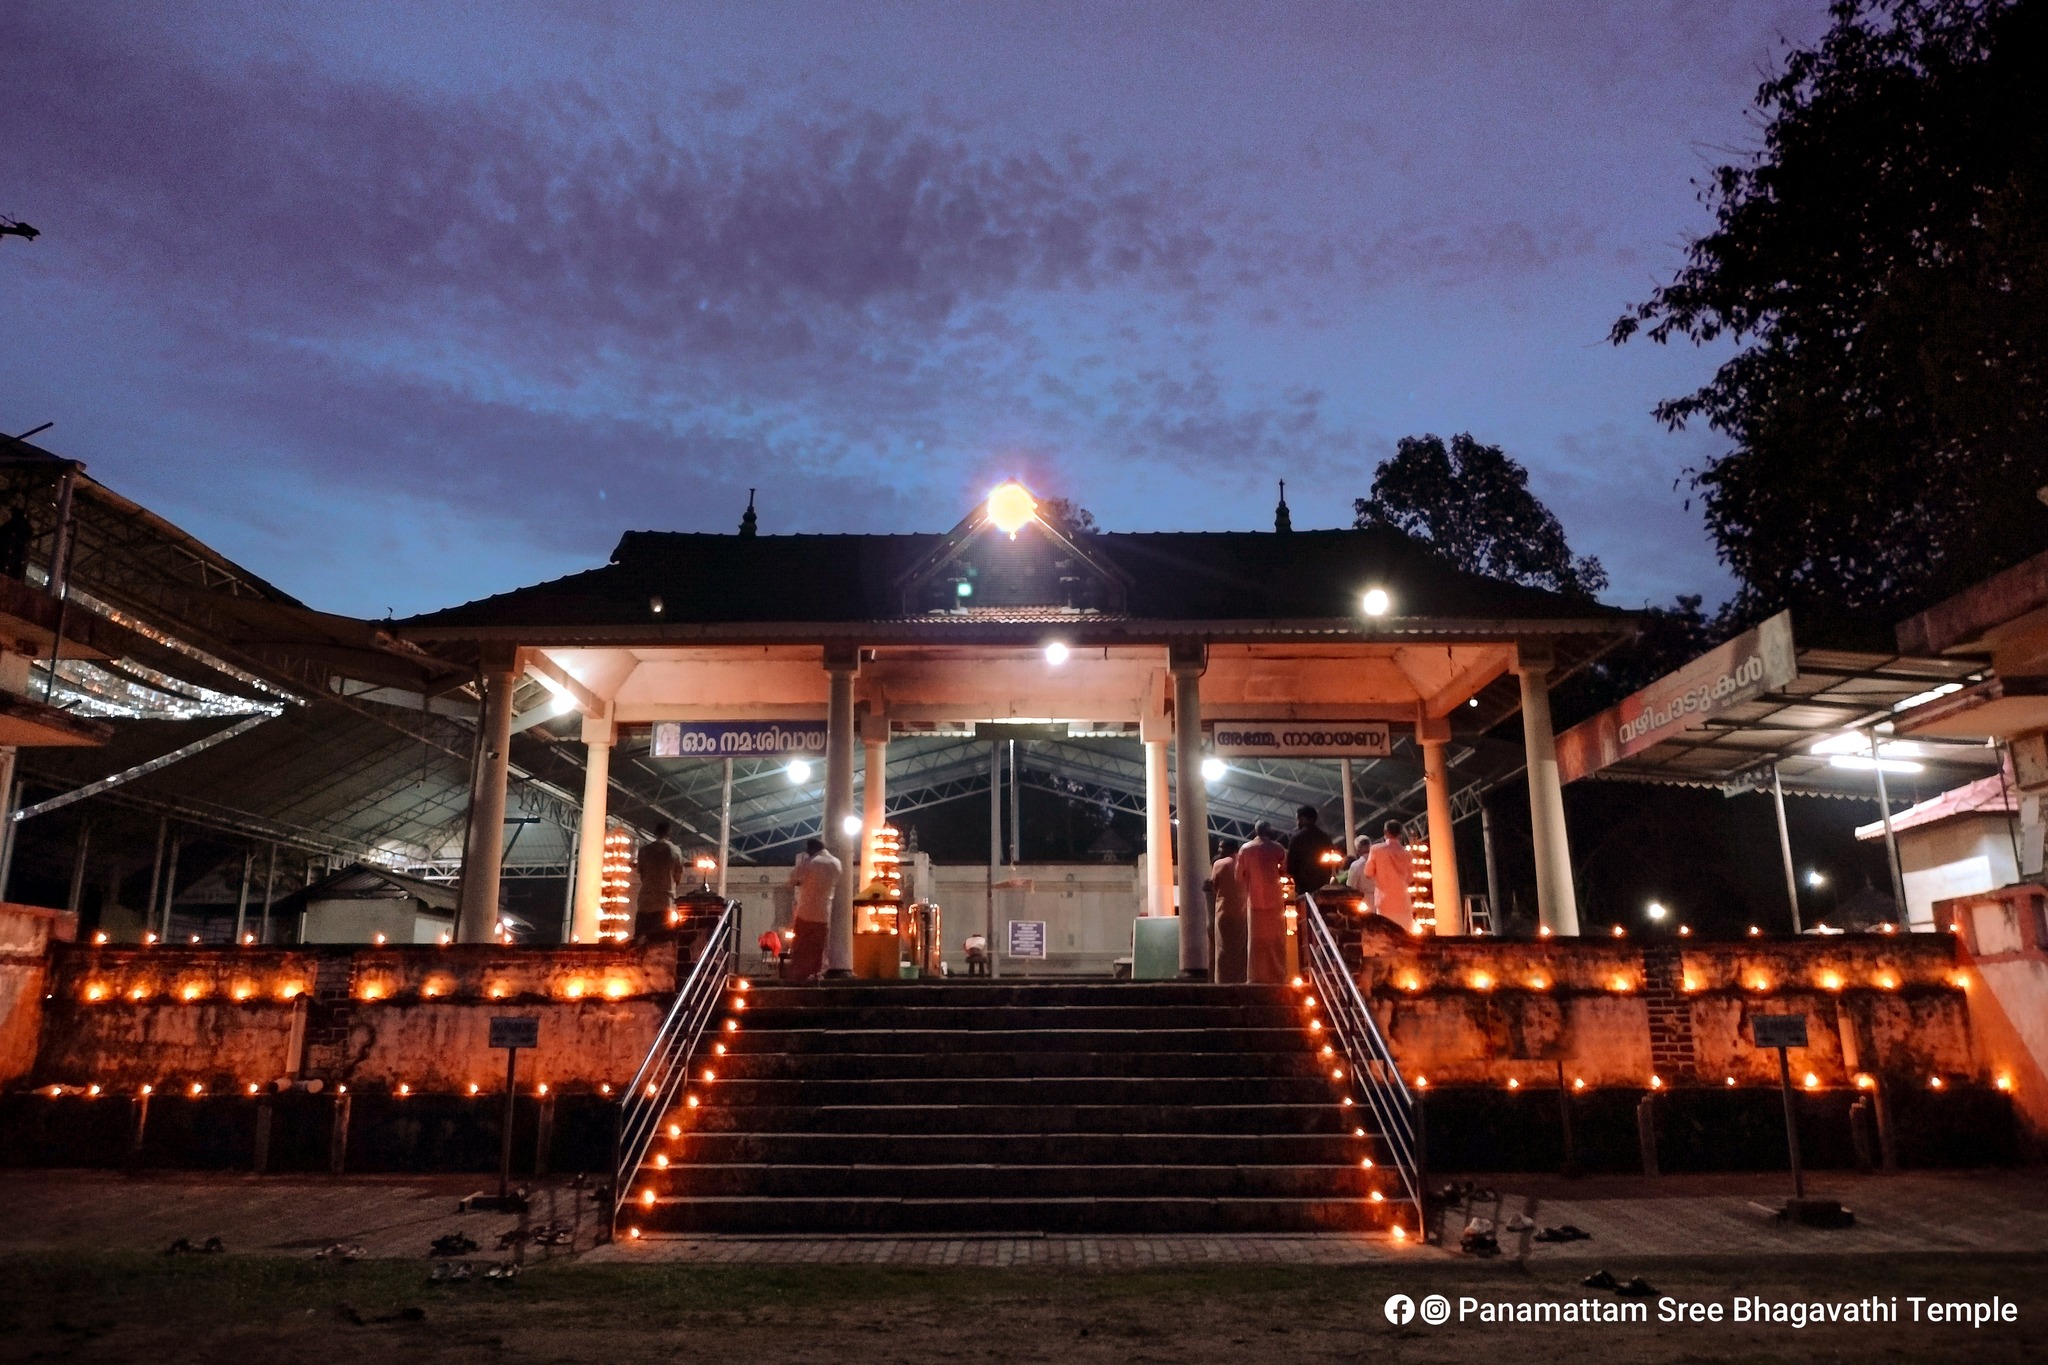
pixel 876 956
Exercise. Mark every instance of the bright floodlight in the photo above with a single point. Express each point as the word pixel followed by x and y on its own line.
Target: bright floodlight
pixel 1011 507
pixel 1814 877
pixel 1656 910
pixel 1377 601
pixel 1213 769
pixel 799 771
pixel 1056 653
pixel 851 824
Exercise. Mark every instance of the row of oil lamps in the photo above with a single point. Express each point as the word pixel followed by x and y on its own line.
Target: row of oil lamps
pixel 1621 983
pixel 193 991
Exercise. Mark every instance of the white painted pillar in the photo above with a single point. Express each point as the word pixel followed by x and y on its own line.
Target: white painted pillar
pixel 1350 839
pixel 838 806
pixel 590 827
pixel 724 828
pixel 1158 832
pixel 1434 738
pixel 874 804
pixel 1188 663
pixel 1556 902
pixel 484 851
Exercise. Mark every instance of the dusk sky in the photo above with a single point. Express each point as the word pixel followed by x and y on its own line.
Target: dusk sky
pixel 402 304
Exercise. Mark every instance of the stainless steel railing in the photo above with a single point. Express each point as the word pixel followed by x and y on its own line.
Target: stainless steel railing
pixel 1395 1115
pixel 662 1075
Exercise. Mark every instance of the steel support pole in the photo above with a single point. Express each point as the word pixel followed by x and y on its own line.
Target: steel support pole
pixel 1785 849
pixel 76 899
pixel 1016 814
pixel 242 900
pixel 724 826
pixel 1891 839
pixel 171 883
pixel 1350 839
pixel 1495 911
pixel 269 897
pixel 156 873
pixel 1194 811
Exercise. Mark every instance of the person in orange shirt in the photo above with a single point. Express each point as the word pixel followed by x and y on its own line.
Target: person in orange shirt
pixel 1233 946
pixel 1260 865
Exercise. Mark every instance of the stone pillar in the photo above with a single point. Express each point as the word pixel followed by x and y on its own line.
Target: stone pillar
pixel 841 664
pixel 875 798
pixel 597 774
pixel 1188 662
pixel 1159 874
pixel 477 917
pixel 1556 903
pixel 1434 737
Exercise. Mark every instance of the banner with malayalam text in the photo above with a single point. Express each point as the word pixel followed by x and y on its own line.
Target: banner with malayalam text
pixel 1744 668
pixel 737 739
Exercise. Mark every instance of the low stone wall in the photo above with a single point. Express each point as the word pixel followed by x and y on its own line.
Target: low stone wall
pixel 230 1018
pixel 1616 1014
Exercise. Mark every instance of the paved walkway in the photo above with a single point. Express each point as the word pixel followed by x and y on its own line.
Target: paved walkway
pixel 399 1216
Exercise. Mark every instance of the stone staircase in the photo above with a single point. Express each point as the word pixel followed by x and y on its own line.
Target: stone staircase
pixel 992 1107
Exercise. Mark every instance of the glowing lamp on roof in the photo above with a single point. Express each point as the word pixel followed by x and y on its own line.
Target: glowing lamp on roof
pixel 1376 602
pixel 1056 653
pixel 1011 507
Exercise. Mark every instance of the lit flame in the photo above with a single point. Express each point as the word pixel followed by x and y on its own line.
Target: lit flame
pixel 1831 981
pixel 1481 981
pixel 1812 1081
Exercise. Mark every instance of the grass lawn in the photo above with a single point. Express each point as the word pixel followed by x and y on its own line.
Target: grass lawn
pixel 253 1310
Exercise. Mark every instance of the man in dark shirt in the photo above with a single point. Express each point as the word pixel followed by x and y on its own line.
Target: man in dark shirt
pixel 1305 853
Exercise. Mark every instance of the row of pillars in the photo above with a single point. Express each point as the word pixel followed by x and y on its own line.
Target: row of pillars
pixel 1169 882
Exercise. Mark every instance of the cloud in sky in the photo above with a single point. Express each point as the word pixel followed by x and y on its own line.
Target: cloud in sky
pixel 531 282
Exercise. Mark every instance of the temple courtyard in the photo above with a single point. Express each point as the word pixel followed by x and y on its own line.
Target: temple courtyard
pixel 85 1275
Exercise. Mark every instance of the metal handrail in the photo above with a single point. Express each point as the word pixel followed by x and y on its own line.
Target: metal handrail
pixel 1372 1063
pixel 667 1065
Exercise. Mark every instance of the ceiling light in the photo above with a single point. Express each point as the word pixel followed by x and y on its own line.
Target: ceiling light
pixel 799 771
pixel 1011 507
pixel 1056 653
pixel 850 824
pixel 1862 763
pixel 1376 601
pixel 1213 769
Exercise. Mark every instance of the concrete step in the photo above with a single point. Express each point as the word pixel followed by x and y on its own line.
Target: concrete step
pixel 1023 1214
pixel 757 1037
pixel 974 1019
pixel 1062 1181
pixel 1024 1119
pixel 1021 1149
pixel 876 1066
pixel 1050 1093
pixel 990 995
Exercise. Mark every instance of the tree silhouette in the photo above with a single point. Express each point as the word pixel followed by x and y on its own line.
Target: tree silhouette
pixel 1472 504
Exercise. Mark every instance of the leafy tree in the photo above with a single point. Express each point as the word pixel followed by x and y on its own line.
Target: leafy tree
pixel 1882 260
pixel 1472 504
pixel 1069 516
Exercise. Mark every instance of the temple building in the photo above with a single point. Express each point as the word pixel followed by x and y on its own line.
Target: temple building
pixel 1179 646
